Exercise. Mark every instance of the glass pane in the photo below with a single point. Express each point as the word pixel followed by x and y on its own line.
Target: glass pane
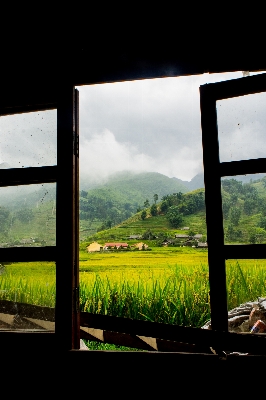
pixel 246 295
pixel 28 215
pixel 244 209
pixel 27 295
pixel 28 140
pixel 241 127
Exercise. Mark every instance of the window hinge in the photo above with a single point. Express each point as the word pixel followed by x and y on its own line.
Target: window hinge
pixel 76 299
pixel 75 144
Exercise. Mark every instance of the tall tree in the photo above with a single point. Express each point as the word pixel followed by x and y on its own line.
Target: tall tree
pixel 146 203
pixel 143 214
pixel 235 214
pixel 154 210
pixel 174 217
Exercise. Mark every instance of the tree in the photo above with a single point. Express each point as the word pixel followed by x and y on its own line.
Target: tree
pixel 109 223
pixel 25 215
pixel 143 214
pixel 226 208
pixel 250 206
pixel 155 197
pixel 154 210
pixel 83 193
pixel 146 203
pixel 191 233
pixel 256 235
pixel 148 235
pixel 262 222
pixel 174 217
pixel 235 214
pixel 4 219
pixel 164 206
pixel 232 186
pixel 234 199
pixel 230 233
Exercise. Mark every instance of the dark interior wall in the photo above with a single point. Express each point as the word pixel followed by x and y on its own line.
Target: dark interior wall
pixel 33 72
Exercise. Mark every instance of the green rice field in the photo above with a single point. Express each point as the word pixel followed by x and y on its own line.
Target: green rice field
pixel 164 285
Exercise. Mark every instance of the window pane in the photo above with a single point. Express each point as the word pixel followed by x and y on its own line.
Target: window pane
pixel 244 208
pixel 28 140
pixel 246 293
pixel 27 295
pixel 28 215
pixel 241 127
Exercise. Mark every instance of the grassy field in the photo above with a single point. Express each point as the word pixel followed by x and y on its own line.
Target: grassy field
pixel 168 285
pixel 32 282
pixel 158 257
pixel 165 284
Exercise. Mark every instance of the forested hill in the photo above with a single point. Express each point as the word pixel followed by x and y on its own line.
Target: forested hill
pixel 243 204
pixel 244 210
pixel 125 194
pixel 24 214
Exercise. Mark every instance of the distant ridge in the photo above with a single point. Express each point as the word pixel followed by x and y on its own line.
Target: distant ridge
pixel 198 181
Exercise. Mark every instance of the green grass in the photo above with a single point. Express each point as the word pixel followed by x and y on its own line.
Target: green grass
pixel 165 285
pixel 169 295
pixel 246 281
pixel 32 283
pixel 105 346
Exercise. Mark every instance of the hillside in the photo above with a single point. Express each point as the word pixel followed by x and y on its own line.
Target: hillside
pixel 157 227
pixel 197 182
pixel 122 197
pixel 244 208
pixel 132 205
pixel 28 215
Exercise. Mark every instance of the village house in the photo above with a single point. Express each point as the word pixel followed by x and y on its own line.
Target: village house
pixel 181 236
pixel 134 237
pixel 166 242
pixel 202 245
pixel 141 246
pixel 109 246
pixel 94 247
pixel 197 236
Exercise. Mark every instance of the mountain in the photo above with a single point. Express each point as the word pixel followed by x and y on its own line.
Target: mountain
pixel 28 196
pixel 244 212
pixel 121 197
pixel 124 194
pixel 198 181
pixel 143 186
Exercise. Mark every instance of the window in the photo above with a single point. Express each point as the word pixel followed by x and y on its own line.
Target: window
pixel 103 144
pixel 43 197
pixel 211 97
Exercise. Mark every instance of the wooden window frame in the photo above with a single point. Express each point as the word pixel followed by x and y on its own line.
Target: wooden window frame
pixel 65 254
pixel 218 252
pixel 65 174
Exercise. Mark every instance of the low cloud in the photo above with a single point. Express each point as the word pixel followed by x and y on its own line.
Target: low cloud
pixel 103 155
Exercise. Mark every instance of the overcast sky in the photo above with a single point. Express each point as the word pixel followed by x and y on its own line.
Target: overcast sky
pixel 154 125
pixel 148 125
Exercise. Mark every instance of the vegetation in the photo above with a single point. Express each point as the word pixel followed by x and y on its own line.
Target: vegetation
pixel 244 211
pixel 109 213
pixel 167 284
pixel 122 197
pixel 171 288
